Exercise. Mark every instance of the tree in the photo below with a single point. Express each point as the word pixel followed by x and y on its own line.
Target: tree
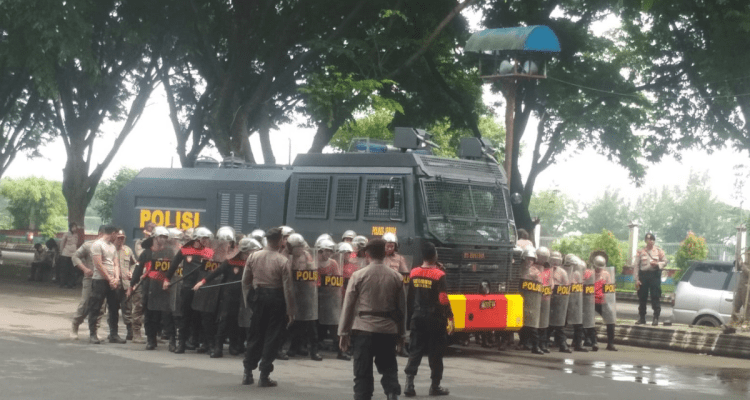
pixel 588 100
pixel 697 210
pixel 35 203
pixel 95 61
pixel 655 210
pixel 609 212
pixel 691 248
pixel 108 190
pixel 378 126
pixel 687 54
pixel 556 211
pixel 23 111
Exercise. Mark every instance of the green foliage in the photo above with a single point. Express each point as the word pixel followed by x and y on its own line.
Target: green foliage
pixel 35 202
pixel 583 245
pixel 556 211
pixel 378 126
pixel 692 248
pixel 107 191
pixel 609 212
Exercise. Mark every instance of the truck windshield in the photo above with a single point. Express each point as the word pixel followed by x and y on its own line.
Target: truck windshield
pixel 463 212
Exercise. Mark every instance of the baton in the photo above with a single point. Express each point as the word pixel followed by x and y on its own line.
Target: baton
pixel 219 284
pixel 134 289
pixel 185 276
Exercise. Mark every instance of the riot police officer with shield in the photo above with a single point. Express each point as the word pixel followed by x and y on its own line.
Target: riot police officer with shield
pixel 153 263
pixel 605 298
pixel 531 290
pixel 191 258
pixel 545 278
pixel 230 276
pixel 575 268
pixel 330 293
pixel 559 302
pixel 305 278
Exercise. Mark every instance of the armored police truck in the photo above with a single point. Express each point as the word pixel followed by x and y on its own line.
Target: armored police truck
pixel 461 205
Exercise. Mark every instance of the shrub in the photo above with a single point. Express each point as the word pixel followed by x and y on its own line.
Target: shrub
pixel 583 245
pixel 692 248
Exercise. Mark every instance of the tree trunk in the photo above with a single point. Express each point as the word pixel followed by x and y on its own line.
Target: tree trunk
pixel 324 134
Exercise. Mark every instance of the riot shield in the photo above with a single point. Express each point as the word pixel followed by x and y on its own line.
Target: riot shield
pixel 558 311
pixel 588 309
pixel 531 290
pixel 330 294
pixel 544 308
pixel 609 311
pixel 576 294
pixel 158 298
pixel 305 281
pixel 207 300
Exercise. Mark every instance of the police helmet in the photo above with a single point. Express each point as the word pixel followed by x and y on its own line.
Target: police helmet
pixel 390 237
pixel 555 258
pixel 286 230
pixel 350 234
pixel 570 260
pixel 160 231
pixel 322 237
pixel 325 244
pixel 600 262
pixel 542 255
pixel 175 234
pixel 249 244
pixel 344 248
pixel 360 242
pixel 258 235
pixel 529 253
pixel 225 233
pixel 202 232
pixel 296 240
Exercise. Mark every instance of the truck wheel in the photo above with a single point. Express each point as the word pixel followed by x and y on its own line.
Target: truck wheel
pixel 707 320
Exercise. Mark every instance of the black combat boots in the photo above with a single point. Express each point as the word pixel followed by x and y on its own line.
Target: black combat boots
pixel 409 391
pixel 218 350
pixel 436 390
pixel 247 377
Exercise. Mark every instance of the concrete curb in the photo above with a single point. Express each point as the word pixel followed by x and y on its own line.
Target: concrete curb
pixel 633 297
pixel 709 341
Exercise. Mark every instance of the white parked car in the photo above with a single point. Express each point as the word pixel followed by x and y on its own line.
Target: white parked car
pixel 705 294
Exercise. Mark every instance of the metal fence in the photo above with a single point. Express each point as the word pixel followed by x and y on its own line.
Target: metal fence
pixel 716 251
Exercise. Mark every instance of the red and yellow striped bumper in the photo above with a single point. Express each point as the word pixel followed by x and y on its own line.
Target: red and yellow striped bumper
pixel 491 312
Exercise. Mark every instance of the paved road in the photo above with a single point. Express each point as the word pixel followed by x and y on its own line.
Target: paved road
pixel 38 361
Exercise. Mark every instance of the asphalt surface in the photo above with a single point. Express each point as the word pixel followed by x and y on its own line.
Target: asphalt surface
pixel 39 361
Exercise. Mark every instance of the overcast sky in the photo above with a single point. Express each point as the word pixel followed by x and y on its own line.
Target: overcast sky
pixel 583 176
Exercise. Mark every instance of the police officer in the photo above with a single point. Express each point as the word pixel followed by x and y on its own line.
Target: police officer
pixel 269 274
pixel 372 323
pixel 149 275
pixel 605 296
pixel 128 304
pixel 348 236
pixel 330 294
pixel 105 284
pixel 531 289
pixel 305 278
pixel 559 302
pixel 545 278
pixel 189 260
pixel 575 268
pixel 396 261
pixel 206 302
pixel 286 231
pixel 429 312
pixel 230 272
pixel 647 266
pixel 82 260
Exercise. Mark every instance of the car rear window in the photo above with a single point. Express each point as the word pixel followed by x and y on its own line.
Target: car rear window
pixel 709 276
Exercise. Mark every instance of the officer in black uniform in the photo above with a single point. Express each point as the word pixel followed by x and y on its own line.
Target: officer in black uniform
pixel 152 263
pixel 429 312
pixel 231 295
pixel 192 257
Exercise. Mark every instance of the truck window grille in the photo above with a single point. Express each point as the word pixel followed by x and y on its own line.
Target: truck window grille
pixel 465 276
pixel 371 200
pixel 224 203
pixel 252 209
pixel 312 197
pixel 346 197
pixel 237 220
